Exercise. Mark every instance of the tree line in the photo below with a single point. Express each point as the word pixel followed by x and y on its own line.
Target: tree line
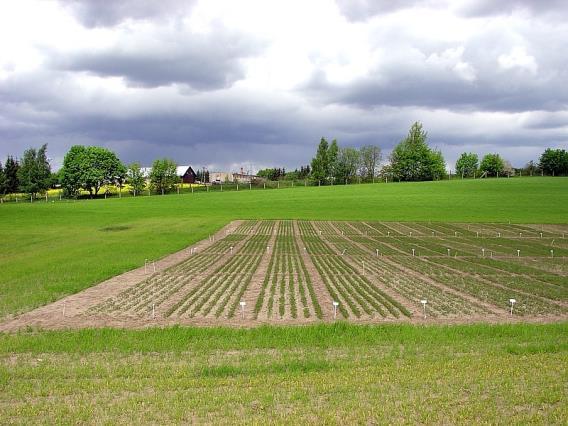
pixel 85 168
pixel 411 160
pixel 91 168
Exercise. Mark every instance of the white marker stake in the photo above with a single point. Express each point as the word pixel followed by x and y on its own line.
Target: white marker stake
pixel 541 235
pixel 231 249
pixel 335 305
pixel 410 234
pixel 377 250
pixel 267 249
pixel 343 252
pixel 388 233
pixel 518 253
pixel 153 310
pixel 512 302
pixel 483 252
pixel 456 234
pixel 498 234
pixel 413 252
pixel 520 235
pixel 552 253
pixel 432 233
pixel 424 301
pixel 243 304
pixel 477 235
pixel 448 252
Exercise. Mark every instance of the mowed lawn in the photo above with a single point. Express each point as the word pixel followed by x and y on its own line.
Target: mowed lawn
pixel 330 374
pixel 48 250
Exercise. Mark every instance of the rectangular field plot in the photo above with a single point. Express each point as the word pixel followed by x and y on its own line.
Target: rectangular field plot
pixel 288 271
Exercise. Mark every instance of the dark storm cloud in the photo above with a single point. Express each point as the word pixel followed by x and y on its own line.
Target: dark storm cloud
pixel 202 61
pixel 108 13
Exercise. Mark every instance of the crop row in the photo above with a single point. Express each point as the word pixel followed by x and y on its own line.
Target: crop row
pixel 350 288
pixel 160 286
pixel 478 287
pixel 221 291
pixel 246 227
pixel 381 271
pixel 287 281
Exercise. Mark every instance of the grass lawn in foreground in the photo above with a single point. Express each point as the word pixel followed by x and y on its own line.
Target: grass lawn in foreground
pixel 503 374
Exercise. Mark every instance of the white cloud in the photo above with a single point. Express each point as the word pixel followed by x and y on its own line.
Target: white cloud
pixel 518 58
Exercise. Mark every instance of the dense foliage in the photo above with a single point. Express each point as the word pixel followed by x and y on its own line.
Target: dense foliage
pixel 554 162
pixel 163 176
pixel 135 178
pixel 34 173
pixel 492 165
pixel 90 168
pixel 467 164
pixel 413 160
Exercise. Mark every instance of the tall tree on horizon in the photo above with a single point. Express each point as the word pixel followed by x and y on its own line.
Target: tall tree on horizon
pixel 11 168
pixel 320 163
pixel 413 160
pixel 2 180
pixel 34 174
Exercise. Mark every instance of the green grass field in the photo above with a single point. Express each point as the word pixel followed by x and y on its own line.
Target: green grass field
pixel 501 374
pixel 319 374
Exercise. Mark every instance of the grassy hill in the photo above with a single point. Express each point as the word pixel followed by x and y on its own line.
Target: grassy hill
pixel 48 250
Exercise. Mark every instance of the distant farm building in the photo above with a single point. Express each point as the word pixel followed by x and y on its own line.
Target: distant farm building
pixel 226 177
pixel 185 173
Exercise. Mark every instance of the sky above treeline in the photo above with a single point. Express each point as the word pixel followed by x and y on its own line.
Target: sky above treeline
pixel 254 84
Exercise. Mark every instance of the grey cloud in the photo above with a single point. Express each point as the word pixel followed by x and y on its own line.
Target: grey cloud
pixel 479 8
pixel 202 61
pixel 108 13
pixel 361 10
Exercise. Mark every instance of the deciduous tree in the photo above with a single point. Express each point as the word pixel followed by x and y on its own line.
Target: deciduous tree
pixel 413 160
pixel 320 163
pixel 493 164
pixel 135 178
pixel 554 162
pixel 467 164
pixel 163 176
pixel 370 156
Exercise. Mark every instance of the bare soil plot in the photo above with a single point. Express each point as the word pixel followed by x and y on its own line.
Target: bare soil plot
pixel 289 272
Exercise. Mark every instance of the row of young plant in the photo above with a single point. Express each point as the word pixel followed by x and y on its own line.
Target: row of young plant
pixel 288 275
pixel 246 227
pixel 480 288
pixel 221 291
pixel 348 287
pixel 474 246
pixel 382 272
pixel 496 273
pixel 160 286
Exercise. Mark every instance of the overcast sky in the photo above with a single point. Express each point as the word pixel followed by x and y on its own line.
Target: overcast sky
pixel 225 84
